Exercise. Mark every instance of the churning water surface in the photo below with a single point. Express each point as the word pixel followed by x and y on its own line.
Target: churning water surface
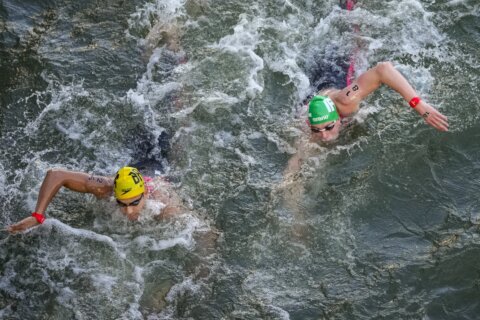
pixel 383 224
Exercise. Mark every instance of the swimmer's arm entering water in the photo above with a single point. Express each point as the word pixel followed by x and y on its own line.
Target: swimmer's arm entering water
pixel 348 99
pixel 295 162
pixel 55 179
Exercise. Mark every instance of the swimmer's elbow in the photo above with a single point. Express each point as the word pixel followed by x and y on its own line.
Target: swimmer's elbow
pixel 57 177
pixel 384 68
pixel 55 174
pixel 385 65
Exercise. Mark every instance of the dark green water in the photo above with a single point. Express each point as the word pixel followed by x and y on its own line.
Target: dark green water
pixel 382 225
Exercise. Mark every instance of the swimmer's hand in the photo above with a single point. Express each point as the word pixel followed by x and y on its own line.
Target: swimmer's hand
pixel 432 116
pixel 23 225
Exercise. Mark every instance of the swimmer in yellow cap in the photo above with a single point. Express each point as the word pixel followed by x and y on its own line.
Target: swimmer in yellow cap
pixel 129 187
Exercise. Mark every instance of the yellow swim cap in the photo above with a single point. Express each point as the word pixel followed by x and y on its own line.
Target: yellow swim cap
pixel 128 183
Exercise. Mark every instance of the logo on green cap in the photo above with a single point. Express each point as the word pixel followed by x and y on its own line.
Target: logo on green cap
pixel 321 109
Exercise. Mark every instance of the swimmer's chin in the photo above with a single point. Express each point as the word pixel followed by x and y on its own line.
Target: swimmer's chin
pixel 132 217
pixel 327 141
pixel 330 141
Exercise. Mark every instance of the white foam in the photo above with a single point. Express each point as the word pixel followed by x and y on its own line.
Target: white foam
pixel 149 91
pixel 148 243
pixel 255 135
pixel 132 313
pixel 80 233
pixel 282 145
pixel 74 132
pixel 243 43
pixel 456 2
pixel 148 94
pixel 61 95
pixel 217 100
pixel 287 64
pixel 187 285
pixel 223 139
pixel 104 282
pixel 3 178
pixel 151 210
pixel 158 11
pixel 247 160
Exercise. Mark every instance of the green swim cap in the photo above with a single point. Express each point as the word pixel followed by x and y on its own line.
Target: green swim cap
pixel 321 109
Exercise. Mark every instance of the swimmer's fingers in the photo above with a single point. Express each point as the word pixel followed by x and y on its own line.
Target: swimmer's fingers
pixel 22 225
pixel 436 120
pixel 438 124
pixel 432 116
pixel 442 124
pixel 14 228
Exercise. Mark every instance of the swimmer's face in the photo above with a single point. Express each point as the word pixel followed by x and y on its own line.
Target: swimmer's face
pixel 132 207
pixel 326 131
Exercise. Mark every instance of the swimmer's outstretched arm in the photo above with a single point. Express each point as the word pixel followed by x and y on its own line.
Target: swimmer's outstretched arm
pixel 348 98
pixel 57 178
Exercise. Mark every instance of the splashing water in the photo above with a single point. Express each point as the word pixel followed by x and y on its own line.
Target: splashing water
pixel 381 224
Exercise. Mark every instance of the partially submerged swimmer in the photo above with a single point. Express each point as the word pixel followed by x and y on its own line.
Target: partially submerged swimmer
pixel 328 112
pixel 328 108
pixel 130 188
pixel 132 193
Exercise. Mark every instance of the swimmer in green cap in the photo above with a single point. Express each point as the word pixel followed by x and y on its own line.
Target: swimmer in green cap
pixel 326 117
pixel 321 109
pixel 327 109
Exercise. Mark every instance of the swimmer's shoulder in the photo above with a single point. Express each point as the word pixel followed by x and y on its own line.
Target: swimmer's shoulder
pixel 158 180
pixel 344 109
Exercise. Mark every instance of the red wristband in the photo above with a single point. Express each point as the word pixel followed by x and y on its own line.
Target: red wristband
pixel 414 102
pixel 40 217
